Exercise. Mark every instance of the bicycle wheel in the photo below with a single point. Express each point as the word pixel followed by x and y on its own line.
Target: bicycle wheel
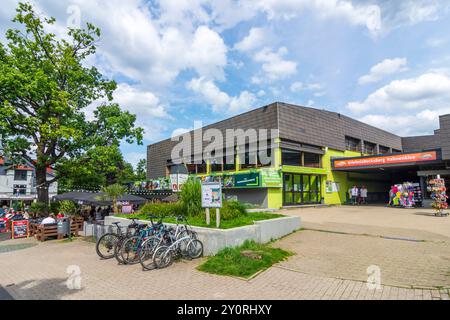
pixel 105 245
pixel 186 233
pixel 162 257
pixel 195 249
pixel 146 253
pixel 117 248
pixel 130 250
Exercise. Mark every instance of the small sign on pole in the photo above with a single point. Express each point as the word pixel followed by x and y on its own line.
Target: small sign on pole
pixel 212 198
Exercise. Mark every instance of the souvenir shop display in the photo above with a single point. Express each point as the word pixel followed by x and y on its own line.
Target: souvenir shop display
pixel 438 193
pixel 406 195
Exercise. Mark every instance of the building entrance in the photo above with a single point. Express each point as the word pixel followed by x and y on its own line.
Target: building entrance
pixel 301 189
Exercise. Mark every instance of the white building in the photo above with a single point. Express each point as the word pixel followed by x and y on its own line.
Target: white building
pixel 18 183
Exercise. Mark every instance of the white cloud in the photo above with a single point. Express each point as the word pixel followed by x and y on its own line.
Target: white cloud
pixel 368 16
pixel 142 103
pixel 221 101
pixel 256 38
pixel 384 68
pixel 408 124
pixel 430 90
pixel 179 131
pixel 149 43
pixel 261 93
pixel 208 54
pixel 273 64
pixel 299 86
pixel 409 106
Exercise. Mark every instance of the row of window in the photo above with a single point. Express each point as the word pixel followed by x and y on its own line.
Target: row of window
pixel 249 160
pixel 353 144
pixel 298 158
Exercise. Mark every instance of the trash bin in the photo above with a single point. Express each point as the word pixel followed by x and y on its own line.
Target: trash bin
pixel 64 226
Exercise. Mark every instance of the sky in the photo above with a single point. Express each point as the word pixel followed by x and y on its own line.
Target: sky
pixel 386 63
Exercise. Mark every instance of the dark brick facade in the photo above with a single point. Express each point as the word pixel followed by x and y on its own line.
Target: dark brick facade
pixel 309 126
pixel 444 133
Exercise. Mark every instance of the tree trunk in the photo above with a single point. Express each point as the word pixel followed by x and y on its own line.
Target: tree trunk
pixel 41 184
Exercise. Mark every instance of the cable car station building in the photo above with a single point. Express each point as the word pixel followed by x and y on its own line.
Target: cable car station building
pixel 317 156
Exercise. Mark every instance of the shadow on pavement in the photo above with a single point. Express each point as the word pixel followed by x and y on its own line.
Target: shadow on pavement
pixel 47 289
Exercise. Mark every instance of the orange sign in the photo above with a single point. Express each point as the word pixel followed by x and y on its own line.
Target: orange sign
pixel 385 160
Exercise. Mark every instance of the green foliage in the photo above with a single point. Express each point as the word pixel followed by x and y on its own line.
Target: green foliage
pixel 199 220
pixel 230 261
pixel 40 208
pixel 141 170
pixel 54 207
pixel 162 209
pixel 112 193
pixel 68 208
pixel 100 166
pixel 46 85
pixel 191 197
pixel 232 209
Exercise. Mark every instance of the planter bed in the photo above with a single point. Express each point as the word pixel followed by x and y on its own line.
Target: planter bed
pixel 214 240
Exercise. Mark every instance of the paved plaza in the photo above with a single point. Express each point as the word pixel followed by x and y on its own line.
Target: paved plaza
pixel 329 264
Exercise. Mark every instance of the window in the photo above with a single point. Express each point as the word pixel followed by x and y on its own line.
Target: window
pixel 230 164
pixel 311 160
pixel 201 168
pixel 192 169
pixel 263 157
pixel 291 157
pixel 352 144
pixel 396 151
pixel 20 175
pixel 216 165
pixel 19 189
pixel 384 150
pixel 370 148
pixel 248 160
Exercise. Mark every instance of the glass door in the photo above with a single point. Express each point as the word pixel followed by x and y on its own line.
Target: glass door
pixel 301 189
pixel 288 187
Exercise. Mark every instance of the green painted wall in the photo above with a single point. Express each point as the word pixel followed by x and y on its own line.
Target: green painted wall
pixel 274 198
pixel 373 182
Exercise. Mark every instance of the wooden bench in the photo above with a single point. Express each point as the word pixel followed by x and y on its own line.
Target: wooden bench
pixel 47 231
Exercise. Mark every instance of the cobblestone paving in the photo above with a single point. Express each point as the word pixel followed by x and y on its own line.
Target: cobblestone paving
pixel 40 273
pixel 402 263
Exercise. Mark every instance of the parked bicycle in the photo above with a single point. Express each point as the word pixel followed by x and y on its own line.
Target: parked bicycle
pixel 130 249
pixel 106 244
pixel 181 235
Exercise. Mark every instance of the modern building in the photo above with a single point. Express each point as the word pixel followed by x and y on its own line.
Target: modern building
pixel 317 156
pixel 18 183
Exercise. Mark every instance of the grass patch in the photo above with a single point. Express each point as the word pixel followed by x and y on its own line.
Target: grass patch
pixel 200 221
pixel 231 262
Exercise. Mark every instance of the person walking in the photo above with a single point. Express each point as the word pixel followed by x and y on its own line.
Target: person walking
pixel 355 193
pixel 363 194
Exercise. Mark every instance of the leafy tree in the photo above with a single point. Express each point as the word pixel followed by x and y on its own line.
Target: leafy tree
pixel 112 193
pixel 141 170
pixel 100 166
pixel 45 87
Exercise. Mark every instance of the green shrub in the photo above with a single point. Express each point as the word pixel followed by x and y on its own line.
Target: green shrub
pixel 68 208
pixel 191 197
pixel 232 210
pixel 54 207
pixel 40 208
pixel 163 209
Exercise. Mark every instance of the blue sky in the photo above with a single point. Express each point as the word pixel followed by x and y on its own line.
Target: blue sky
pixel 386 63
